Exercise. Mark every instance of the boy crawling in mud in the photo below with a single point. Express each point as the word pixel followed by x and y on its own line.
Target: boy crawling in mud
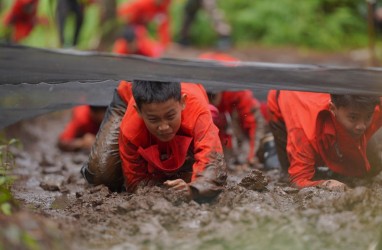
pixel 166 136
pixel 317 129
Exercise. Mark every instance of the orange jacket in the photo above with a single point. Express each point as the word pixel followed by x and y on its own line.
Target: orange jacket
pixel 144 44
pixel 80 124
pixel 141 12
pixel 315 138
pixel 245 104
pixel 196 138
pixel 23 17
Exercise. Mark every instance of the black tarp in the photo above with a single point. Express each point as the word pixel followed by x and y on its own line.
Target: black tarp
pixel 36 81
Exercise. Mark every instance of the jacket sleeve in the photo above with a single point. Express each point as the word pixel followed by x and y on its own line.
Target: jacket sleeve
pixel 209 170
pixel 302 159
pixel 134 167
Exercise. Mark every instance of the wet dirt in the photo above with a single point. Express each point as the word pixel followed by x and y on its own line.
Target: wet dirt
pixel 255 211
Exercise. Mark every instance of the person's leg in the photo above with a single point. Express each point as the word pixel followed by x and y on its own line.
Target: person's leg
pixel 190 10
pixel 104 163
pixel 280 135
pixel 220 25
pixel 62 13
pixel 78 10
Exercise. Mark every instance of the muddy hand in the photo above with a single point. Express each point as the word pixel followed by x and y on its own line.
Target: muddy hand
pixel 179 185
pixel 334 185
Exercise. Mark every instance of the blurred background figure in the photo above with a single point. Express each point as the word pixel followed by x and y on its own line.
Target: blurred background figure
pixel 64 9
pixel 21 19
pixel 139 14
pixel 378 18
pixel 221 27
pixel 80 132
pixel 241 119
pixel 135 40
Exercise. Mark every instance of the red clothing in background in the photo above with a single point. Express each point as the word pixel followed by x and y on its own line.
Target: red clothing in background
pixel 80 124
pixel 144 44
pixel 245 105
pixel 315 138
pixel 22 17
pixel 139 150
pixel 141 12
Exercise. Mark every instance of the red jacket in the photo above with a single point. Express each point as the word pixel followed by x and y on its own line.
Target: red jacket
pixel 80 124
pixel 139 150
pixel 315 138
pixel 23 17
pixel 141 12
pixel 144 44
pixel 242 101
pixel 245 104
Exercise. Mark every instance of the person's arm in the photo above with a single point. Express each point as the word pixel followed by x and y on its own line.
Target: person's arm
pixel 209 170
pixel 85 142
pixel 134 167
pixel 302 160
pixel 68 140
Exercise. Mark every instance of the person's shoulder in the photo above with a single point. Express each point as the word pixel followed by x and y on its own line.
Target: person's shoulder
pixel 81 113
pixel 124 90
pixel 133 127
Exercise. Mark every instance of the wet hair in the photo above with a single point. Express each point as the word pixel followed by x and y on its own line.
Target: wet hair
pixel 146 92
pixel 359 101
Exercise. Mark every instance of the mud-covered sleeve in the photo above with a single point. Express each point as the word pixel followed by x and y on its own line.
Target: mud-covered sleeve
pixel 209 170
pixel 302 159
pixel 134 167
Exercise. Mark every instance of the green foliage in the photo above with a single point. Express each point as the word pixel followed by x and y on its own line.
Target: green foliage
pixel 320 24
pixel 324 24
pixel 6 179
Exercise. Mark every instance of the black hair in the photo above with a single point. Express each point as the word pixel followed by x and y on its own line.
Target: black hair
pixel 364 102
pixel 155 91
pixel 128 33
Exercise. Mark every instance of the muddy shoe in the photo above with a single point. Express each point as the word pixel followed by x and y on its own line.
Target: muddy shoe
pixel 267 153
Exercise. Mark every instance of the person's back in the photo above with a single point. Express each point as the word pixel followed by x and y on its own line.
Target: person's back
pixel 318 129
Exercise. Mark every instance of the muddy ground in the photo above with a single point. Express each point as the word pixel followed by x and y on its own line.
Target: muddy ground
pixel 60 211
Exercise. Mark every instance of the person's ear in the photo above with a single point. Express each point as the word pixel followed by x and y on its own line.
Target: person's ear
pixel 183 100
pixel 137 109
pixel 332 108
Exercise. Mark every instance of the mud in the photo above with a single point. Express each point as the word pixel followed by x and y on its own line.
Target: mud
pixel 254 211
